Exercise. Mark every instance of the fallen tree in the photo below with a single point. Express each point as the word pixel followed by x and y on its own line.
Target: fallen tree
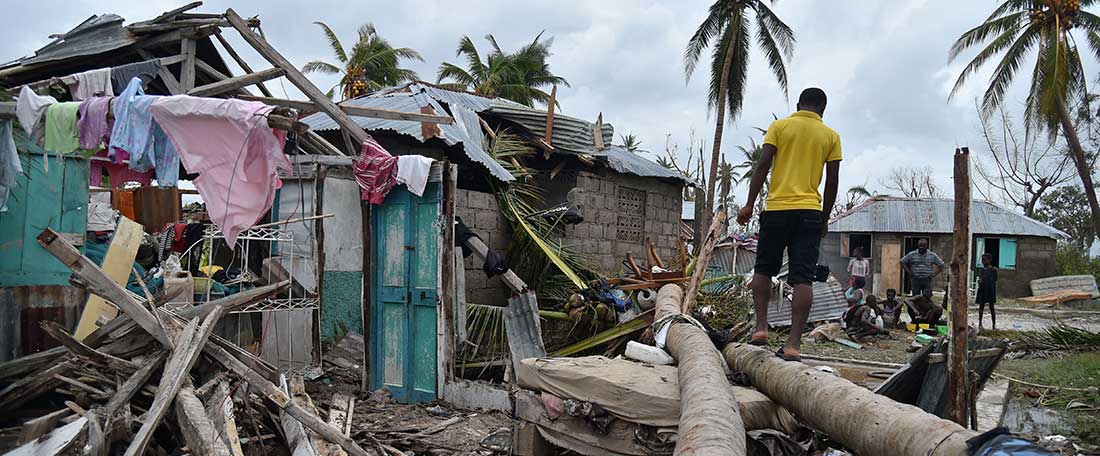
pixel 710 421
pixel 852 415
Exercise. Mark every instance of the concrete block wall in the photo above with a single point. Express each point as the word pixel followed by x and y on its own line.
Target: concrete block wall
pixel 480 212
pixel 598 198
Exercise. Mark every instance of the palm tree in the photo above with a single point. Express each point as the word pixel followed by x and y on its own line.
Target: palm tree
pixel 371 65
pixel 630 142
pixel 519 76
pixel 726 176
pixel 743 171
pixel 1017 27
pixel 727 28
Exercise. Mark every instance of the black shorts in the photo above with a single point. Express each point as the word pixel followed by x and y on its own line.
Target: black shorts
pixel 796 231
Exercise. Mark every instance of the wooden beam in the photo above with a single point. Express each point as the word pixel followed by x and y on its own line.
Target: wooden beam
pixel 717 227
pixel 171 14
pixel 204 67
pixel 187 68
pixel 99 283
pixel 597 132
pixel 278 397
pixel 286 123
pixel 117 265
pixel 219 408
pixel 297 78
pixel 357 111
pixel 132 385
pixel 166 76
pixel 234 83
pixel 240 61
pixel 958 391
pixel 189 345
pixel 188 23
pixel 37 427
pixel 510 278
pixel 198 431
pixel 77 348
pixel 550 115
pixel 341 412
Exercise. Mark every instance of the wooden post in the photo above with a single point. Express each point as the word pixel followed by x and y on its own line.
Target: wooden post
pixel 550 115
pixel 368 292
pixel 235 83
pixel 597 132
pixel 447 279
pixel 297 78
pixel 319 236
pixel 957 363
pixel 187 69
pixel 166 76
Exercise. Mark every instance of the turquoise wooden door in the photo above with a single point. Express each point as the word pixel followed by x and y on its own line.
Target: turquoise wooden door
pixel 403 306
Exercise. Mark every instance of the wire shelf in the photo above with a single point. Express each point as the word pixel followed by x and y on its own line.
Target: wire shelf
pixel 254 234
pixel 281 304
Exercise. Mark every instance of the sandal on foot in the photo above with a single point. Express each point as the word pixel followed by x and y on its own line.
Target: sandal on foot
pixel 758 342
pixel 779 353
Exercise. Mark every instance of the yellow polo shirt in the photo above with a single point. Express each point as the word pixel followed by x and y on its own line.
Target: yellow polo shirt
pixel 803 145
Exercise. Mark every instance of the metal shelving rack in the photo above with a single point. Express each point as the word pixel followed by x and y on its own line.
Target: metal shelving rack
pixel 272 235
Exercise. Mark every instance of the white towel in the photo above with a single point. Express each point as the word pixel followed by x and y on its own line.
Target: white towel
pixel 412 170
pixel 10 168
pixel 29 108
pixel 92 83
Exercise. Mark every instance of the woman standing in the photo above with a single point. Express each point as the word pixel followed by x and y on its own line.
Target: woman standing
pixel 987 289
pixel 858 266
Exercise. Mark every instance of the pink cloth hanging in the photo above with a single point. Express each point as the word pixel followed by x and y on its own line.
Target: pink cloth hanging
pixel 376 172
pixel 228 142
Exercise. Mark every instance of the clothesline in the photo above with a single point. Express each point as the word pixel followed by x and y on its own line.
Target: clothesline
pixel 71 79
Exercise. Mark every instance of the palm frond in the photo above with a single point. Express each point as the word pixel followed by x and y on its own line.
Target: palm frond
pixel 714 25
pixel 987 29
pixel 467 48
pixel 779 30
pixel 773 54
pixel 738 68
pixel 333 42
pixel 1006 69
pixel 461 77
pixel 996 46
pixel 318 66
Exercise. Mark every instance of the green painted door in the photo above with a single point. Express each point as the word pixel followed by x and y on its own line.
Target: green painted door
pixel 405 237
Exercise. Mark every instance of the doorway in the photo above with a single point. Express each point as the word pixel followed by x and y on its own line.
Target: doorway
pixel 909 245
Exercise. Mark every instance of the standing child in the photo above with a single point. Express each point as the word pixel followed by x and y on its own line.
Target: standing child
pixel 987 289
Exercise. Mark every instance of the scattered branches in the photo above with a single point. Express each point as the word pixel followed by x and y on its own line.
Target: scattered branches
pixel 912 182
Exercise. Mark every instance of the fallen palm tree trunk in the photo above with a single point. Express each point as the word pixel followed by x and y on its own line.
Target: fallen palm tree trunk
pixel 854 416
pixel 707 425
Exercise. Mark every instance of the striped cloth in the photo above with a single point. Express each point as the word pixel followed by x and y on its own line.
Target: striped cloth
pixel 376 172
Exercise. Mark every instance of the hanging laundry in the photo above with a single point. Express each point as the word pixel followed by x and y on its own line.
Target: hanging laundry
pixel 92 83
pixel 412 170
pixel 61 128
pixel 93 127
pixel 118 174
pixel 146 71
pixel 10 168
pixel 376 172
pixel 235 152
pixel 137 136
pixel 29 108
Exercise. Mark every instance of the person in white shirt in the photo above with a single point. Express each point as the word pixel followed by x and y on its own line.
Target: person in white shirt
pixel 858 266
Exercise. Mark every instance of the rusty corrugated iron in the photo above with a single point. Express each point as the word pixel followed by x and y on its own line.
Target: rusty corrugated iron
pixel 22 309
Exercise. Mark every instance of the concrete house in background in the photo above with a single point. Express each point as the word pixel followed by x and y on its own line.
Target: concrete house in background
pixel 889 227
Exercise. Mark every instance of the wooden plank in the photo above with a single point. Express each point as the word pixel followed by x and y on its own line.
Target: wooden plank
pixel 367 284
pixel 40 426
pixel 188 347
pixel 101 284
pixel 204 67
pixel 280 398
pixel 890 259
pixel 597 132
pixel 116 264
pixel 171 14
pixel 166 76
pixel 60 441
pixel 550 115
pixel 448 304
pixel 132 385
pixel 958 392
pixel 198 431
pixel 510 278
pixel 308 442
pixel 97 436
pixel 341 411
pixel 77 348
pixel 220 410
pixel 358 111
pixel 30 387
pixel 235 83
pixel 187 69
pixel 702 260
pixel 296 77
pixel 240 61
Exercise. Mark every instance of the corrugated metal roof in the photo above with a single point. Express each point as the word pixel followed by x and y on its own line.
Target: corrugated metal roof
pixel 913 215
pixel 829 304
pixel 625 161
pixel 466 129
pixel 95 35
pixel 733 259
pixel 570 134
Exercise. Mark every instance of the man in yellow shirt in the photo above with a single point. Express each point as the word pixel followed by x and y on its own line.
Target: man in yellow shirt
pixel 795 150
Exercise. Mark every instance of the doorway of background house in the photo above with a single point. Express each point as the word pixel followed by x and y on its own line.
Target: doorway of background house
pixel 910 245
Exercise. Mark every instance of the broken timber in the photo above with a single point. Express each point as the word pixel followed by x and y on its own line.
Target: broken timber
pixel 357 111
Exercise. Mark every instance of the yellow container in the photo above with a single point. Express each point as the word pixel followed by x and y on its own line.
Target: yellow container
pixel 911 327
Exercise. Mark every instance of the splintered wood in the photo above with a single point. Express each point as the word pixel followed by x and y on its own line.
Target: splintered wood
pixel 129 386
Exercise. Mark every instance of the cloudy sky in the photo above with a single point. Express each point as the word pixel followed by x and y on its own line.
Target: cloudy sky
pixel 883 64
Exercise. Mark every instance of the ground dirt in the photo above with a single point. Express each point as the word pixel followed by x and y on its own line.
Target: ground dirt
pixel 402 425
